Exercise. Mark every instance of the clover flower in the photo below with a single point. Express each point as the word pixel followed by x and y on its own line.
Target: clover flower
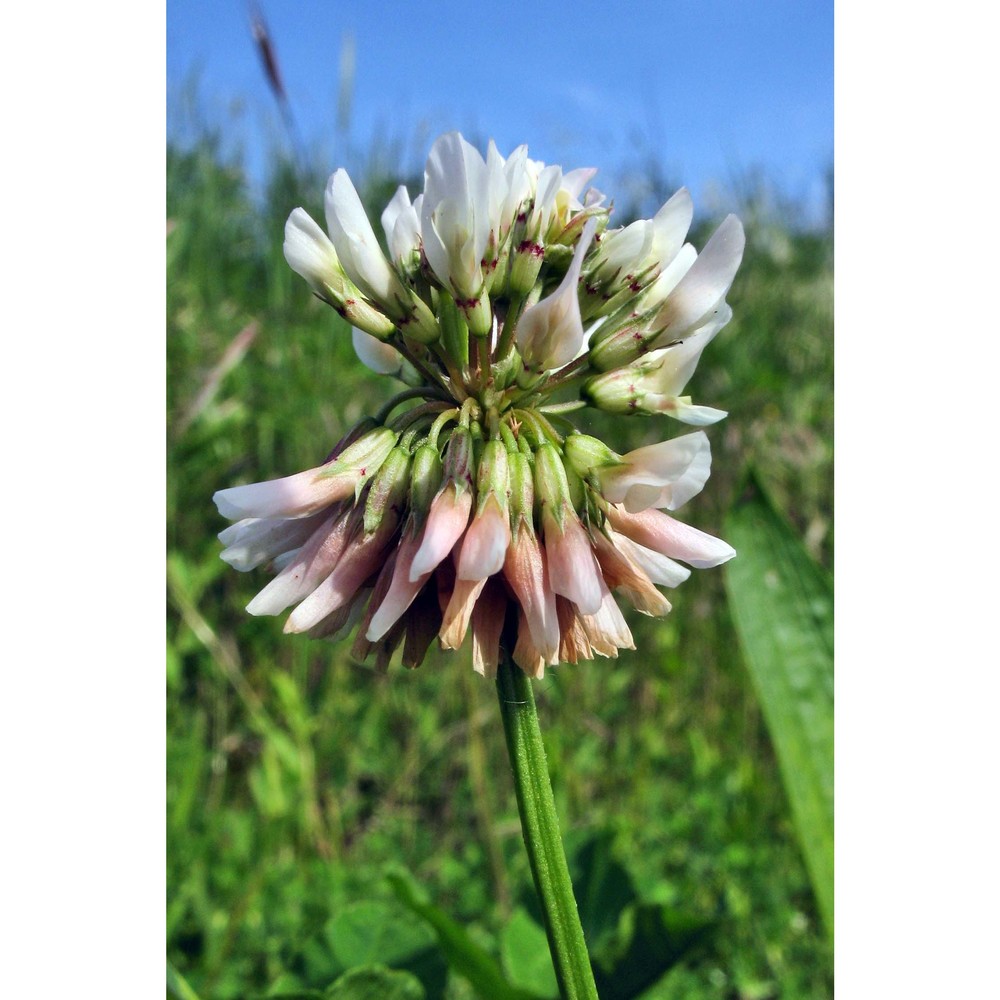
pixel 470 503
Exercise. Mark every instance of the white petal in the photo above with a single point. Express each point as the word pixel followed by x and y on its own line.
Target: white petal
pixel 679 361
pixel 519 185
pixel 454 215
pixel 254 541
pixel 660 475
pixel 625 250
pixel 550 332
pixel 706 283
pixel 670 277
pixel 661 570
pixel 672 538
pixel 574 181
pixel 401 223
pixel 377 355
pixel 293 496
pixel 681 408
pixel 355 242
pixel 398 204
pixel 401 593
pixel 315 560
pixel 670 226
pixel 309 251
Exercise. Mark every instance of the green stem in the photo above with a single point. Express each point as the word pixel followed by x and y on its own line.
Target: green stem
pixel 540 827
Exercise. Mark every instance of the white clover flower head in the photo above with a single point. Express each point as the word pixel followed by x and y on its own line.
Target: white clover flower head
pixel 468 503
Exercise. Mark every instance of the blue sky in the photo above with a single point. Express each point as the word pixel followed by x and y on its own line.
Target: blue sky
pixel 710 89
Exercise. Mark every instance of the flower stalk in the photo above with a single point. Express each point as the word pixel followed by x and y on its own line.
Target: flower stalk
pixel 540 828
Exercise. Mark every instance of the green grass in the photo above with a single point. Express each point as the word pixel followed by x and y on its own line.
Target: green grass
pixel 296 776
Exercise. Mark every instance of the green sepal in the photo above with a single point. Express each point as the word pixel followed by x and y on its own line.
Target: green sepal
pixel 420 323
pixel 454 330
pixel 426 474
pixel 584 453
pixel 522 488
pixel 366 454
pixel 493 474
pixel 551 483
pixel 478 314
pixel 389 489
pixel 459 460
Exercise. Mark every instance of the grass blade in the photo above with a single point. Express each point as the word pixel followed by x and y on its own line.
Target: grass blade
pixel 782 605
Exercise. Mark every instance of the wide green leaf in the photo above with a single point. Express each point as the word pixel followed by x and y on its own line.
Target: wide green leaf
pixel 602 886
pixel 464 955
pixel 376 982
pixel 177 985
pixel 374 931
pixel 524 951
pixel 782 606
pixel 655 939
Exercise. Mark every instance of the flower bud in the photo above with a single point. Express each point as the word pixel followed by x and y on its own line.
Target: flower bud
pixel 619 391
pixel 365 455
pixel 311 254
pixel 364 316
pixel 458 461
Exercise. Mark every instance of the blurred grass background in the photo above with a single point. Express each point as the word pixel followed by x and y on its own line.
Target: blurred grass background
pixel 296 775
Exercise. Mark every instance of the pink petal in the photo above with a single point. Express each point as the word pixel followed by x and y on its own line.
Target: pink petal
pixel 316 560
pixel 607 629
pixel 361 559
pixel 458 613
pixel 485 544
pixel 255 540
pixel 524 569
pixel 487 624
pixel 672 538
pixel 294 496
pixel 573 570
pixel 401 591
pixel 446 520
